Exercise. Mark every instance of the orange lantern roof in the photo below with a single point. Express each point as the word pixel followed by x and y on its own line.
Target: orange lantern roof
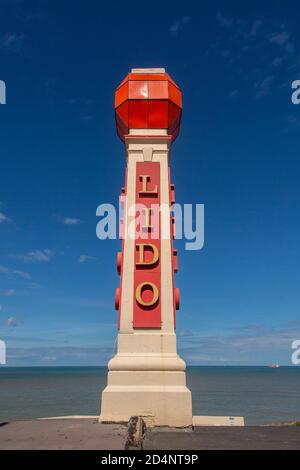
pixel 148 99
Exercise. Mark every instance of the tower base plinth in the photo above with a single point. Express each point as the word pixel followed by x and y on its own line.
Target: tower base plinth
pixel 158 405
pixel 152 386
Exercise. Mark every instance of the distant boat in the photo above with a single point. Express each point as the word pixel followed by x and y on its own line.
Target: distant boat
pixel 274 366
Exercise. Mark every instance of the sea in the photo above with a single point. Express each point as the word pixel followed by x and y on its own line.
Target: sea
pixel 261 394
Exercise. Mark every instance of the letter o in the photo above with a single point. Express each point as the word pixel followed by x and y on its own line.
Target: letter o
pixel 138 294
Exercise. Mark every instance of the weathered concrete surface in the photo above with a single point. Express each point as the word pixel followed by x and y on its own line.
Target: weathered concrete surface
pixel 222 438
pixel 88 434
pixel 85 434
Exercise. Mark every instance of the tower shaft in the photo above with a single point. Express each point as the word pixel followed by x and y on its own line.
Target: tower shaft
pixel 147 377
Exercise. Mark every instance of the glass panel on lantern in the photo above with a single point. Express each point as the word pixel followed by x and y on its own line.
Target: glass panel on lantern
pixel 158 114
pixel 121 94
pixel 174 116
pixel 122 112
pixel 175 95
pixel 138 89
pixel 158 89
pixel 138 114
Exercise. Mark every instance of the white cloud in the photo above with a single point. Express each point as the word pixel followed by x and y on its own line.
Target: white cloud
pixel 33 285
pixel 23 274
pixel 13 42
pixel 277 61
pixel 280 39
pixel 253 344
pixel 233 93
pixel 178 26
pixel 223 21
pixel 71 221
pixel 8 292
pixel 12 322
pixel 263 87
pixel 242 37
pixel 35 256
pixel 255 27
pixel 4 270
pixel 4 218
pixel 87 118
pixel 68 220
pixel 85 258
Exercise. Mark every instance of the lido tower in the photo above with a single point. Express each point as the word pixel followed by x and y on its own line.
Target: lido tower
pixel 147 377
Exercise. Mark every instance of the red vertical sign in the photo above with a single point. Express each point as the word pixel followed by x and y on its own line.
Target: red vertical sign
pixel 147 284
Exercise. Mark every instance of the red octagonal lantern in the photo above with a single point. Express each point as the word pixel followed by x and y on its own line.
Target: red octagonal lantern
pixel 148 101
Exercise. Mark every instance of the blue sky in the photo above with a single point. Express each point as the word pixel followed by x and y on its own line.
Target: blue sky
pixel 238 153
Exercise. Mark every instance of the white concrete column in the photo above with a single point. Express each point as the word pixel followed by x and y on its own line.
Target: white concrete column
pixel 147 377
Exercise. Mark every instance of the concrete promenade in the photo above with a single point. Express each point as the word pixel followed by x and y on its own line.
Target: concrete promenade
pixel 88 434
